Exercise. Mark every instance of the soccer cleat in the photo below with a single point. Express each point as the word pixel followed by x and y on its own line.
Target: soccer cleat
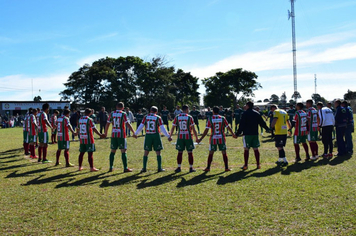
pixel 80 168
pixel 33 157
pixel 143 170
pixel 314 158
pixel 244 167
pixel 69 165
pixel 161 170
pixel 192 170
pixel 207 169
pixel 27 154
pixel 307 158
pixel 45 161
pixel 57 164
pixel 39 160
pixel 226 170
pixel 178 170
pixel 258 167
pixel 110 170
pixel 285 163
pixel 298 159
pixel 330 155
pixel 93 169
pixel 127 170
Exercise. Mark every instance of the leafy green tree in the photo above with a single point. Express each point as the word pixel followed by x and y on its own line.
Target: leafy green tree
pixel 185 88
pixel 37 99
pixel 274 98
pixel 350 95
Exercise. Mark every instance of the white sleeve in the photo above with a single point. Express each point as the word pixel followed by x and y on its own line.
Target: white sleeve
pixel 164 131
pixel 139 129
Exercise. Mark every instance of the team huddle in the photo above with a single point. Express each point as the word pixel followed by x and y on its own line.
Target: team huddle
pixel 307 126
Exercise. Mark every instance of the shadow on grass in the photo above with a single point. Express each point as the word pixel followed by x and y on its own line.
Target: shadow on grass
pixel 13 167
pixel 9 152
pixel 15 173
pixel 339 159
pixel 237 176
pixel 55 178
pixel 85 181
pixel 204 177
pixel 10 161
pixel 125 180
pixel 298 167
pixel 268 141
pixel 162 180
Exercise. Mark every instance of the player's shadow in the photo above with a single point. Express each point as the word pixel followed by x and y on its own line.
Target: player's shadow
pixel 299 167
pixel 162 180
pixel 13 167
pixel 56 178
pixel 234 177
pixel 268 141
pixel 85 181
pixel 126 180
pixel 339 159
pixel 10 152
pixel 15 173
pixel 10 161
pixel 204 177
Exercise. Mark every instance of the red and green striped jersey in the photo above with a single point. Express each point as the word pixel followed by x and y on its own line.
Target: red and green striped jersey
pixel 118 119
pixel 41 119
pixel 313 117
pixel 184 123
pixel 53 120
pixel 300 120
pixel 152 122
pixel 32 125
pixel 217 124
pixel 25 123
pixel 62 128
pixel 86 125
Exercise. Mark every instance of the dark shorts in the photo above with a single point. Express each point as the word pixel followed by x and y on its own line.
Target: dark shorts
pixel 280 140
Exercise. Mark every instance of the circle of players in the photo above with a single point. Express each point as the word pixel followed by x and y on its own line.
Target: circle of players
pixel 308 123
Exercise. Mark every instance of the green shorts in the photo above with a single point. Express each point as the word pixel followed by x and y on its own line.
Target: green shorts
pixel 299 139
pixel 32 138
pixel 214 147
pixel 43 137
pixel 153 140
pixel 185 144
pixel 118 143
pixel 313 136
pixel 87 147
pixel 251 141
pixel 25 137
pixel 63 145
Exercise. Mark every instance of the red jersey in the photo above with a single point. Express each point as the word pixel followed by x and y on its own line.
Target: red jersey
pixel 41 119
pixel 217 124
pixel 53 120
pixel 300 120
pixel 184 123
pixel 86 126
pixel 62 128
pixel 152 122
pixel 25 123
pixel 313 117
pixel 32 125
pixel 118 119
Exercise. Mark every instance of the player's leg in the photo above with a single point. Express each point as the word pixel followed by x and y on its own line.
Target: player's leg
pixel 124 158
pixel 189 144
pixel 159 162
pixel 280 142
pixel 225 158
pixel 257 156
pixel 114 144
pixel 91 162
pixel 245 142
pixel 179 161
pixel 81 156
pixel 158 146
pixel 197 124
pixel 305 146
pixel 66 155
pixel 210 158
pixel 44 148
pixel 145 160
pixel 296 141
pixel 147 146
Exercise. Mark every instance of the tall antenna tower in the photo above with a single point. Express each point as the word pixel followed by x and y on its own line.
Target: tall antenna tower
pixel 315 83
pixel 291 14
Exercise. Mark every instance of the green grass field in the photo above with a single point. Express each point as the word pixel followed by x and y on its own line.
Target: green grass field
pixel 313 198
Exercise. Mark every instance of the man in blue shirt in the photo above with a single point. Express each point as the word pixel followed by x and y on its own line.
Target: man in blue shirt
pixel 341 117
pixel 349 127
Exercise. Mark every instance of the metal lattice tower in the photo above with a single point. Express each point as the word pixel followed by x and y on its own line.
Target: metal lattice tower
pixel 291 14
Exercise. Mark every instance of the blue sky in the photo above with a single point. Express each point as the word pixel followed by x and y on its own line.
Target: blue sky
pixel 45 41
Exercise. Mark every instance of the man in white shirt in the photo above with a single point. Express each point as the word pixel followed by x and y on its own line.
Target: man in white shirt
pixel 130 119
pixel 326 122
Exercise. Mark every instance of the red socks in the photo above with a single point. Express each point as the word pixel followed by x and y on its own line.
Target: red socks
pixel 90 159
pixel 210 159
pixel 246 154
pixel 257 155
pixel 80 158
pixel 180 158
pixel 66 156
pixel 297 150
pixel 226 162
pixel 190 157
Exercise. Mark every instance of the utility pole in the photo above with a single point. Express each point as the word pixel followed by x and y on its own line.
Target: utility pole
pixel 291 14
pixel 315 83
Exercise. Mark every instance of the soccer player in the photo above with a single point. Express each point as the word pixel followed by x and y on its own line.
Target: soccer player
pixel 119 121
pixel 54 125
pixel 185 126
pixel 86 128
pixel 349 128
pixel 43 133
pixel 165 117
pixel 312 128
pixel 153 124
pixel 249 123
pixel 326 122
pixel 63 126
pixel 280 124
pixel 291 113
pixel 194 113
pixel 217 125
pixel 32 132
pixel 300 132
pixel 237 116
pixel 341 117
pixel 25 132
pixel 139 118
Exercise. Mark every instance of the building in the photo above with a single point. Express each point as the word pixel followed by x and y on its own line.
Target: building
pixel 12 108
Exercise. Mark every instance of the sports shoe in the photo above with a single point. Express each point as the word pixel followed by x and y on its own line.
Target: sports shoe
pixel 27 154
pixel 178 170
pixel 69 165
pixel 307 158
pixel 143 170
pixel 127 170
pixel 226 170
pixel 57 164
pixel 39 159
pixel 80 168
pixel 206 169
pixel 298 159
pixel 46 161
pixel 110 170
pixel 33 157
pixel 192 170
pixel 94 169
pixel 285 163
pixel 314 158
pixel 258 167
pixel 330 155
pixel 161 170
pixel 244 167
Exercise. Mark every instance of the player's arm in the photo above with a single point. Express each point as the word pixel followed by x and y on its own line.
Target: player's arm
pixel 195 132
pixel 48 123
pixel 204 134
pixel 274 121
pixel 232 132
pixel 107 128
pixel 263 124
pixel 173 127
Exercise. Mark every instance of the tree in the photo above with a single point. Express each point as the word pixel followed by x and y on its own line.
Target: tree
pixel 259 100
pixel 266 100
pixel 185 87
pixel 350 95
pixel 274 98
pixel 37 99
pixel 224 88
pixel 283 100
pixel 317 98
